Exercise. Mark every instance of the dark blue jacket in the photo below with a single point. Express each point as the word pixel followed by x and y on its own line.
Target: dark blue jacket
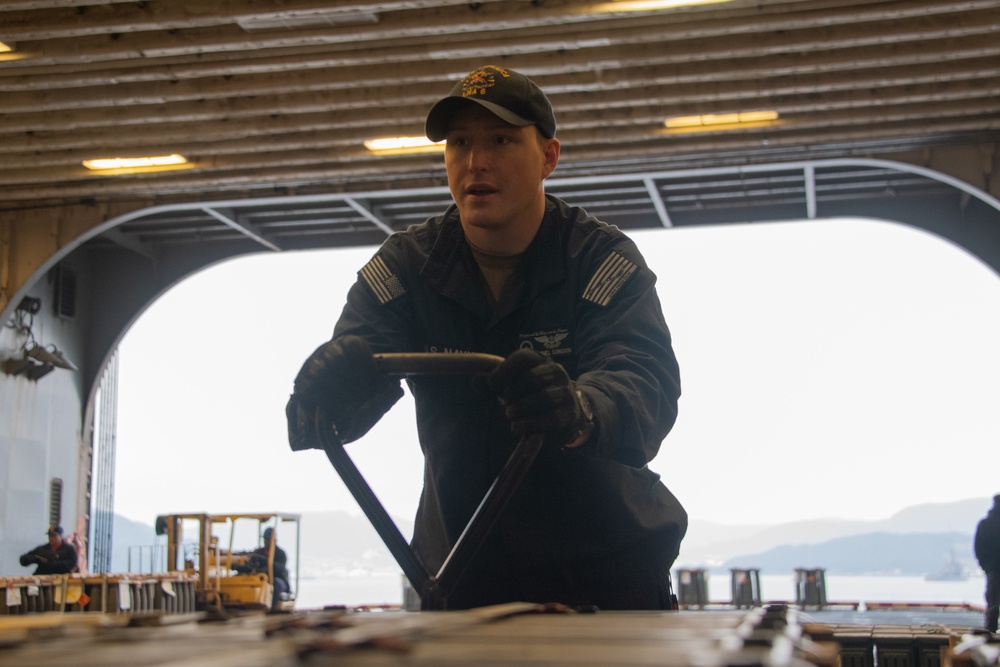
pixel 986 543
pixel 62 560
pixel 583 294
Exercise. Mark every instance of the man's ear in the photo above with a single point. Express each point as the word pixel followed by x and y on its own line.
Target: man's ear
pixel 551 151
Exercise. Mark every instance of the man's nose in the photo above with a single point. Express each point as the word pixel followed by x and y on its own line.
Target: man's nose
pixel 479 159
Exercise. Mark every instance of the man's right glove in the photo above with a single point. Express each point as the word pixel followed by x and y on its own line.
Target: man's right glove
pixel 342 378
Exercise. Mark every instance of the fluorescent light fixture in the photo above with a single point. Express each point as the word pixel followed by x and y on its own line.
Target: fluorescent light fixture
pixel 648 5
pixel 103 164
pixel 403 145
pixel 721 121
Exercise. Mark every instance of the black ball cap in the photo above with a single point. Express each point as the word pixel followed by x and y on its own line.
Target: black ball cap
pixel 511 96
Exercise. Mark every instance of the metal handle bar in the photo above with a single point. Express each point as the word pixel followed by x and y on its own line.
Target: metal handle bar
pixel 433 589
pixel 369 503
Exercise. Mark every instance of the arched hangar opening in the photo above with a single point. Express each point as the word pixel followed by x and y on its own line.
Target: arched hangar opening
pixel 97 286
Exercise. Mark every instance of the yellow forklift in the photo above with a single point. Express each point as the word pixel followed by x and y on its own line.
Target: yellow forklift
pixel 236 558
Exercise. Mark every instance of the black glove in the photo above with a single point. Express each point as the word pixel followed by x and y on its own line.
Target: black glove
pixel 342 378
pixel 539 397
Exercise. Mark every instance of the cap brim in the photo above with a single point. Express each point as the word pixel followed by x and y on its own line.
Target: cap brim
pixel 439 117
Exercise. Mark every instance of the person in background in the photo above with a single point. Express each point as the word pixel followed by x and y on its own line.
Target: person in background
pixel 281 584
pixel 570 303
pixel 57 556
pixel 987 549
pixel 257 562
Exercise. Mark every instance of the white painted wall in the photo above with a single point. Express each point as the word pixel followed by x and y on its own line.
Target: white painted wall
pixel 40 439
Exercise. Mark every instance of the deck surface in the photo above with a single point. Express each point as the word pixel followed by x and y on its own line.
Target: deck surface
pixel 517 634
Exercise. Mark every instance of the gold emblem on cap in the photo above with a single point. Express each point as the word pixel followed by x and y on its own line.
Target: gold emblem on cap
pixel 479 81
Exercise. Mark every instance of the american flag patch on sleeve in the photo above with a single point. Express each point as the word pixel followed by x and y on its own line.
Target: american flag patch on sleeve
pixel 608 279
pixel 384 284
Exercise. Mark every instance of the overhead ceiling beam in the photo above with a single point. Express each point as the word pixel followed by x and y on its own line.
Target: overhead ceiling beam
pixel 630 43
pixel 303 171
pixel 400 20
pixel 593 70
pixel 243 229
pixel 809 174
pixel 657 201
pixel 93 19
pixel 263 113
pixel 368 215
pixel 131 243
pixel 23 5
pixel 346 130
pixel 333 144
pixel 284 111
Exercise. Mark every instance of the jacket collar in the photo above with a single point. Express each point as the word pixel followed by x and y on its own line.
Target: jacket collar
pixel 451 270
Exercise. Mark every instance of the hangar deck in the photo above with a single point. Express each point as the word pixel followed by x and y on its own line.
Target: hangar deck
pixel 513 634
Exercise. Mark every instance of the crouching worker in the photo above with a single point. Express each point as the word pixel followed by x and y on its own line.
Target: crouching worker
pixel 571 304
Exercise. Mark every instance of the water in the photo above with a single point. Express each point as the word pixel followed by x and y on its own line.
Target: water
pixel 354 589
pixel 363 588
pixel 864 588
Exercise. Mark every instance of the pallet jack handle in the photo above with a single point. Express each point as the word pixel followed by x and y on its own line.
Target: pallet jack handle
pixel 433 590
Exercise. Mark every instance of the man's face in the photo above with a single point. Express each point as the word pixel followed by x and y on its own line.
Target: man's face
pixel 55 539
pixel 495 170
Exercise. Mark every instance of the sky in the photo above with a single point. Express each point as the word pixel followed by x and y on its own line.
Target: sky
pixel 829 368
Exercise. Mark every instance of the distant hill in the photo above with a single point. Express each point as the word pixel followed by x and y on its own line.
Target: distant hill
pixel 869 553
pixel 130 535
pixel 916 540
pixel 712 545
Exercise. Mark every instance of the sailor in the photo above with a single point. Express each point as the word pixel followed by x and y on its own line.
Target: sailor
pixel 57 556
pixel 987 548
pixel 570 303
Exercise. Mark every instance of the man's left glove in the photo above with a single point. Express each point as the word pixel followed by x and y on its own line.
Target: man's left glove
pixel 342 378
pixel 539 397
